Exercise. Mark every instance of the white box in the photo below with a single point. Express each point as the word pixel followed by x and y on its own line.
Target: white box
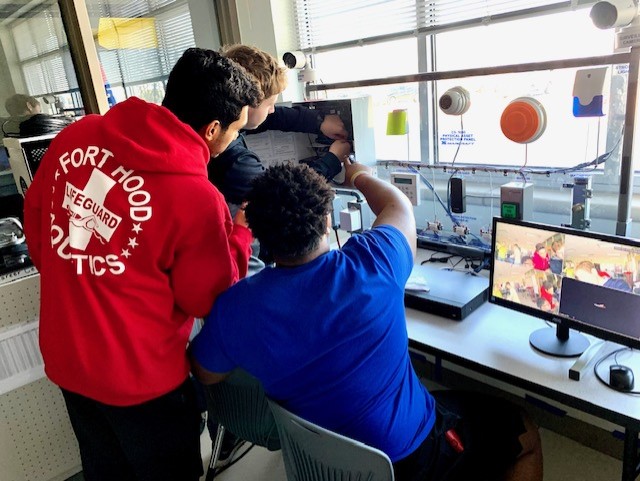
pixel 516 199
pixel 25 155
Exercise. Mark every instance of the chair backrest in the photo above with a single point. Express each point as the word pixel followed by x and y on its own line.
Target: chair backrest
pixel 313 453
pixel 240 405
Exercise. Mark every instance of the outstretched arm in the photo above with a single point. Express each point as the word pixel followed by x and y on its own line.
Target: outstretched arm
pixel 390 206
pixel 330 164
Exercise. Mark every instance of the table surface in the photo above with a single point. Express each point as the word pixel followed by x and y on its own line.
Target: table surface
pixel 494 340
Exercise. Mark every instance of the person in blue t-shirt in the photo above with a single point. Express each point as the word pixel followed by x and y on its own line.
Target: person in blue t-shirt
pixel 324 331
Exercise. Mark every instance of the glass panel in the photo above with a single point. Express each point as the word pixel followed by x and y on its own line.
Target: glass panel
pixel 36 73
pixel 365 63
pixel 567 140
pixel 399 57
pixel 138 43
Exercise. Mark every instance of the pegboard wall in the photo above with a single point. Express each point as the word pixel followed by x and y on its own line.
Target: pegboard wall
pixel 19 301
pixel 36 439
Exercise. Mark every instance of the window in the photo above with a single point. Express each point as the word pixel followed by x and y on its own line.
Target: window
pixel 450 35
pixel 138 43
pixel 35 45
pixel 331 24
pixel 554 36
pixel 35 64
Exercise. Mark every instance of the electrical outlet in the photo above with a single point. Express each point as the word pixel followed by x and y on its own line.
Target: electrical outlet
pixel 486 234
pixel 460 229
pixel 435 226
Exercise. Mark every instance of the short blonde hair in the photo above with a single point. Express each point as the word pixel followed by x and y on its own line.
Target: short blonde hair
pixel 271 77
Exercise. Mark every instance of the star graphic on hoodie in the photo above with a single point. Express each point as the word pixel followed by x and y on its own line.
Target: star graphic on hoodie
pixel 132 242
pixel 136 228
pixel 125 253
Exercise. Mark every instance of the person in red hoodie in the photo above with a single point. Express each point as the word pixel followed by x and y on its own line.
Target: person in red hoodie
pixel 546 293
pixel 132 241
pixel 540 257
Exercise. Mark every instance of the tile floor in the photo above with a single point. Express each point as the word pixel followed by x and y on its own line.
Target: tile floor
pixel 565 460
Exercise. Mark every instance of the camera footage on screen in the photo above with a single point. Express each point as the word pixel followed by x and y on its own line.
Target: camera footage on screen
pixel 532 267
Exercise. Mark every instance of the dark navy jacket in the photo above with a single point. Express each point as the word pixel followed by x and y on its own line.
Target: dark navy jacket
pixel 234 169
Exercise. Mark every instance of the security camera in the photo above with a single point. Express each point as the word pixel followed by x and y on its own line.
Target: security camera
pixel 295 59
pixel 613 13
pixel 455 101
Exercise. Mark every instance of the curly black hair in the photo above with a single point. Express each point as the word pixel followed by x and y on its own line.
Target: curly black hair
pixel 204 86
pixel 287 210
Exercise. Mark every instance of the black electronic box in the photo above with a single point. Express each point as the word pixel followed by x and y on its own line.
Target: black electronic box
pixel 452 294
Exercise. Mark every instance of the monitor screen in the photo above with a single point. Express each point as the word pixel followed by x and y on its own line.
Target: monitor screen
pixel 578 279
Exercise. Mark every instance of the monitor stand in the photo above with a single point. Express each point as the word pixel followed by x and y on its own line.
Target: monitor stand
pixel 560 342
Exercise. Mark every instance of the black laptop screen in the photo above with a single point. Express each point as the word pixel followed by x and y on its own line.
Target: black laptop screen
pixel 614 310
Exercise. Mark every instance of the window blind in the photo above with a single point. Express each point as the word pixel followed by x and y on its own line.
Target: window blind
pixel 41 48
pixel 323 24
pixel 174 34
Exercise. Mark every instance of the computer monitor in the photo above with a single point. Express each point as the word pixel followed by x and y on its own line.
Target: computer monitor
pixel 579 280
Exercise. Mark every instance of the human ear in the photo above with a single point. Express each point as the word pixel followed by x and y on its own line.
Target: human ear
pixel 211 131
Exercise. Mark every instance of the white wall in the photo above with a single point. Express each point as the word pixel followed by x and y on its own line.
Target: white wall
pixel 205 24
pixel 270 25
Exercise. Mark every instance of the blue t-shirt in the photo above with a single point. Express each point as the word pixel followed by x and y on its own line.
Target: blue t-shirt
pixel 328 340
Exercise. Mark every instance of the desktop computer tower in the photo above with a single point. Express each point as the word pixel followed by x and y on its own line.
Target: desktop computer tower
pixel 275 147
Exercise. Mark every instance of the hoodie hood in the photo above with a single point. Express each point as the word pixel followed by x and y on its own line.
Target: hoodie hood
pixel 137 131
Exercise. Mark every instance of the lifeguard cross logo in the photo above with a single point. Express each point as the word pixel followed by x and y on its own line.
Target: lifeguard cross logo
pixel 87 215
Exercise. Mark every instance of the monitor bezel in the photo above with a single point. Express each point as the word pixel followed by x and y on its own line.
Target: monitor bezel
pixel 557 318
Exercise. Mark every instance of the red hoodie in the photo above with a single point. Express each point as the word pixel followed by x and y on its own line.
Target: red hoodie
pixel 131 241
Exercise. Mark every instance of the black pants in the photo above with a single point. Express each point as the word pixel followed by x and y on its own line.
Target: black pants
pixel 158 440
pixel 487 428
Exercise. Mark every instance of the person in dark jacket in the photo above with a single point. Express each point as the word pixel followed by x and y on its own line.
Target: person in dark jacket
pixel 237 166
pixel 27 119
pixel 235 169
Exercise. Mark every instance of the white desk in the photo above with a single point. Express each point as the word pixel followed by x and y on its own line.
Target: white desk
pixel 494 341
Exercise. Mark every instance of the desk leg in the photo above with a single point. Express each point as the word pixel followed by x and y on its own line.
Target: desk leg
pixel 630 455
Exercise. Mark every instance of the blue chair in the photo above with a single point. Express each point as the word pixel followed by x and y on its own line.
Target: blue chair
pixel 313 453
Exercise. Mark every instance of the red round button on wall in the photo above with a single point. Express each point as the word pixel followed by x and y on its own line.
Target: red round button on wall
pixel 523 120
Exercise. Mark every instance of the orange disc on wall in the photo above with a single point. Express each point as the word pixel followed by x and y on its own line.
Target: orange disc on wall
pixel 523 120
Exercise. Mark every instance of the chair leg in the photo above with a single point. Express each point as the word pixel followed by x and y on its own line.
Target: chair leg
pixel 215 453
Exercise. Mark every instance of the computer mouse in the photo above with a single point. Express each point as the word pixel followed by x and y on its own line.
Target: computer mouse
pixel 620 377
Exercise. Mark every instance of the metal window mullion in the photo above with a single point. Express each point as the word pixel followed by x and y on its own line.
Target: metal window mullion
pixel 84 55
